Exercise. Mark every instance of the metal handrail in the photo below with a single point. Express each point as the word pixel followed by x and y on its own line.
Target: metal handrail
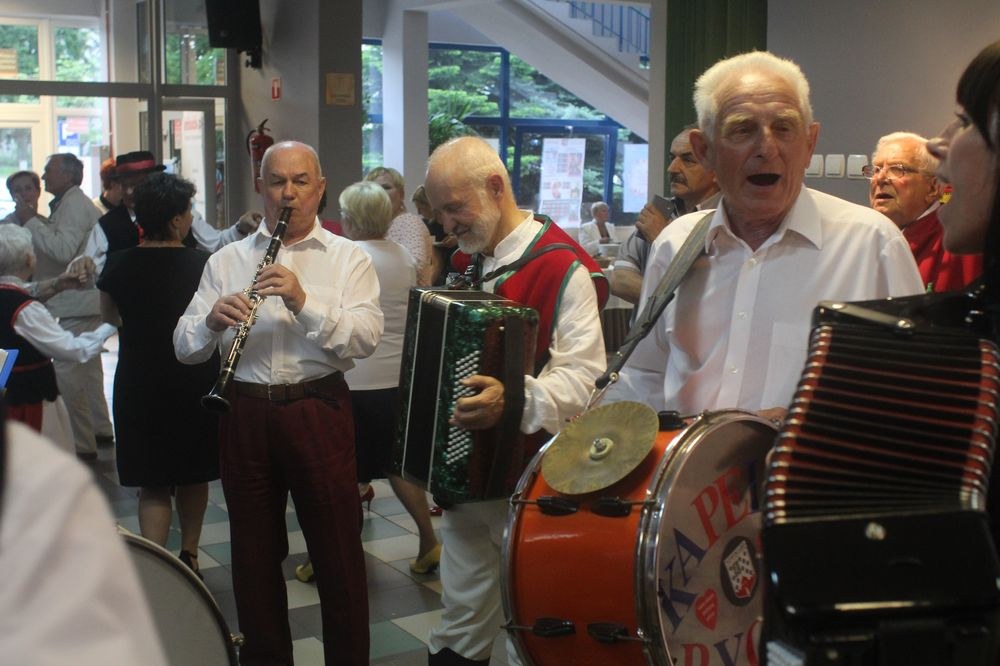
pixel 630 26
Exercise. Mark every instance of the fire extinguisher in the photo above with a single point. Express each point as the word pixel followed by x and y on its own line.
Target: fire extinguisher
pixel 257 143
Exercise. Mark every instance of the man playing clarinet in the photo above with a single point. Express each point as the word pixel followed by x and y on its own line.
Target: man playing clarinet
pixel 290 426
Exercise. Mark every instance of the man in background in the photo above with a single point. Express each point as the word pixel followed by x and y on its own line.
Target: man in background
pixel 904 189
pixel 691 184
pixel 58 240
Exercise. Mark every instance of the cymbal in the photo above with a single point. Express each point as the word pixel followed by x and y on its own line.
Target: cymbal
pixel 600 447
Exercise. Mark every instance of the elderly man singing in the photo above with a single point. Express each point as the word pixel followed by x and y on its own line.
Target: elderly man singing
pixel 735 336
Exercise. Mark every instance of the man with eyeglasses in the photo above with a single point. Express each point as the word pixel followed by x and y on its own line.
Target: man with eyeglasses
pixel 690 183
pixel 904 189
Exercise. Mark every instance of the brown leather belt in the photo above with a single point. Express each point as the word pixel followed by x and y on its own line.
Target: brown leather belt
pixel 322 387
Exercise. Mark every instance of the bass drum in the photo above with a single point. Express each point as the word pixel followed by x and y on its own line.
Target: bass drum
pixel 662 567
pixel 189 622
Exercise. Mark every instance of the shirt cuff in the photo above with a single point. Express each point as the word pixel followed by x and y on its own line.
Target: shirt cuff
pixel 107 330
pixel 627 265
pixel 309 317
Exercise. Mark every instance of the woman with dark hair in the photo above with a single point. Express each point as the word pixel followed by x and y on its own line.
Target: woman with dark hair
pixel 967 149
pixel 968 152
pixel 166 442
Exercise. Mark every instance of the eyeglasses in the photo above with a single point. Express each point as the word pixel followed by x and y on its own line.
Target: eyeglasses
pixel 889 171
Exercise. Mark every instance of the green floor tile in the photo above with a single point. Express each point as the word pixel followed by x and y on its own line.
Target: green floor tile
pixel 220 552
pixel 388 639
pixel 376 527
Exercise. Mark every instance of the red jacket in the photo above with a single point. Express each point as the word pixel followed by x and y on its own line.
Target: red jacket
pixel 939 269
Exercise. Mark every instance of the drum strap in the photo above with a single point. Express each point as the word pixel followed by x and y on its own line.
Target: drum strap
pixel 692 248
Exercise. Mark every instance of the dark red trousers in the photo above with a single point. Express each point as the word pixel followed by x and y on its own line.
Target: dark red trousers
pixel 306 447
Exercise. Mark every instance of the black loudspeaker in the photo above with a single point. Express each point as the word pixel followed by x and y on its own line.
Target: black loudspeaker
pixel 234 24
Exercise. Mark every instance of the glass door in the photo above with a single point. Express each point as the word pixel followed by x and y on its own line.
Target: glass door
pixel 190 150
pixel 21 149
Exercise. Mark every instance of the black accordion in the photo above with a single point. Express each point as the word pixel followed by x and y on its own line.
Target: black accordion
pixel 876 539
pixel 450 335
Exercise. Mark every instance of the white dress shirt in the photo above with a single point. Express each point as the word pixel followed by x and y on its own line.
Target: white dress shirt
pixel 35 323
pixel 70 593
pixel 576 353
pixel 340 320
pixel 590 238
pixel 737 333
pixel 397 273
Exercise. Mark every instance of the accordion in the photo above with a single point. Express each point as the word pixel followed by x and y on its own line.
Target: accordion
pixel 875 535
pixel 450 335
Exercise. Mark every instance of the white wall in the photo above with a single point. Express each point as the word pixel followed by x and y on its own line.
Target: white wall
pixel 877 67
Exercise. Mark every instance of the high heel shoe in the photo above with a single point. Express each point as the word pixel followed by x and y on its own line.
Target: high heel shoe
pixel 367 497
pixel 191 561
pixel 428 563
pixel 304 572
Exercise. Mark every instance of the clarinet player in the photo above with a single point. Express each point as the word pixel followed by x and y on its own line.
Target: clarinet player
pixel 290 428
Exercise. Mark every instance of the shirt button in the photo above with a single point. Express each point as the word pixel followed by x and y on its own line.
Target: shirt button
pixel 742 315
pixel 733 369
pixel 752 262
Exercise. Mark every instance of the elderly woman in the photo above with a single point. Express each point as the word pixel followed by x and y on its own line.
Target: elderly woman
pixel 166 442
pixel 29 328
pixel 406 229
pixel 366 213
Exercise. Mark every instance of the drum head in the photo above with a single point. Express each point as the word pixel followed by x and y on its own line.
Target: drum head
pixel 189 622
pixel 699 551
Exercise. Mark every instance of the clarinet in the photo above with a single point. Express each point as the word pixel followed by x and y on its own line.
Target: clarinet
pixel 215 400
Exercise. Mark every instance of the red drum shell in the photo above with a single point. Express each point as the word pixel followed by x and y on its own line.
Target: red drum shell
pixel 689 556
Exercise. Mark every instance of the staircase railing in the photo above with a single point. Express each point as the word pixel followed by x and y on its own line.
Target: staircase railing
pixel 629 25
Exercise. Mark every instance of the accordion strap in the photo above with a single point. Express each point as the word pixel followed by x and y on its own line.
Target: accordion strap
pixel 524 259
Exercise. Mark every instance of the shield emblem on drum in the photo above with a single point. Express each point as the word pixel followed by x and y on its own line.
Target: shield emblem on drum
pixel 739 571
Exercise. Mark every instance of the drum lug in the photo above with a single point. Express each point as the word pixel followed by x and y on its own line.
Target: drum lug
pixel 237 640
pixel 551 505
pixel 546 627
pixel 610 633
pixel 671 420
pixel 611 507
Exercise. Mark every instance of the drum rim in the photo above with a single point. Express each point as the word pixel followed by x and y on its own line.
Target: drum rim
pixel 166 556
pixel 510 528
pixel 647 540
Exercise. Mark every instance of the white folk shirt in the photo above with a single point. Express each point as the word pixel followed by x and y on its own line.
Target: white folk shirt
pixel 397 273
pixel 340 320
pixel 70 593
pixel 35 323
pixel 737 333
pixel 576 353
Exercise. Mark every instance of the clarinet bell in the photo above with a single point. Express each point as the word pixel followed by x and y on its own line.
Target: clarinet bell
pixel 214 402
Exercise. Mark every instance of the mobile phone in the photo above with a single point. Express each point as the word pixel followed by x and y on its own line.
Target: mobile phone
pixel 667 207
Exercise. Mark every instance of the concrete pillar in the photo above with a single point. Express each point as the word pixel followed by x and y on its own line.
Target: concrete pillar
pixel 404 94
pixel 301 48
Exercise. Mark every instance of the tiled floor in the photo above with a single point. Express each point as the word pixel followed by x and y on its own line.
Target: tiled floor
pixel 402 606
